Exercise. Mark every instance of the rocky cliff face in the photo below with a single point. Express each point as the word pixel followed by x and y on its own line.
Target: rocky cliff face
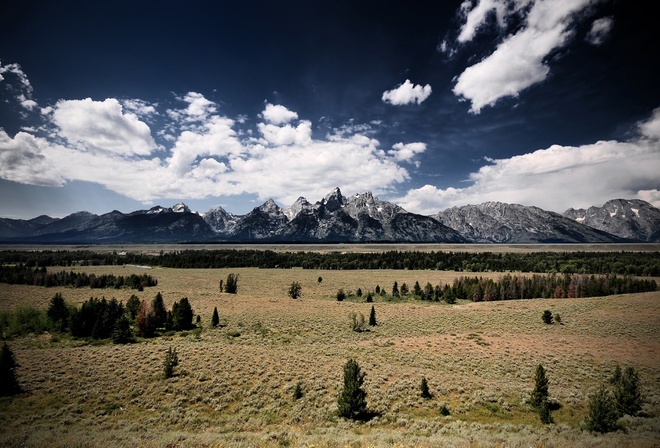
pixel 627 218
pixel 496 222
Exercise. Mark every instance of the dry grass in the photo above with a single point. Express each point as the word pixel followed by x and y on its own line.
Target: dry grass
pixel 479 360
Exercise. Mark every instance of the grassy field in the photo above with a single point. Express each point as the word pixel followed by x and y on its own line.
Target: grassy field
pixel 234 385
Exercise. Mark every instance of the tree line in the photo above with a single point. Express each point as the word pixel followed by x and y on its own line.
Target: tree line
pixel 620 263
pixel 24 275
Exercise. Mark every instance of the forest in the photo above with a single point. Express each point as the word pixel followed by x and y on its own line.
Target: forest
pixel 620 263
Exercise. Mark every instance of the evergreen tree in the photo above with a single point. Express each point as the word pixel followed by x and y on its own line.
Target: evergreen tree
pixel 395 289
pixel 404 289
pixel 377 290
pixel 372 317
pixel 215 320
pixel 58 313
pixel 424 389
pixel 122 333
pixel 297 391
pixel 133 306
pixel 182 315
pixel 8 379
pixel 145 323
pixel 170 362
pixel 159 311
pixel 540 392
pixel 352 402
pixel 295 290
pixel 231 286
pixel 341 295
pixel 320 279
pixel 626 391
pixel 603 413
pixel 370 297
pixel 417 290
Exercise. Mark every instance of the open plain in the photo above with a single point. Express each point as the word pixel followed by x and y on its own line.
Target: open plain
pixel 234 384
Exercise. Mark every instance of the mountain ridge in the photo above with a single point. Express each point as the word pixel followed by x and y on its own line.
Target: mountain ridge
pixel 336 218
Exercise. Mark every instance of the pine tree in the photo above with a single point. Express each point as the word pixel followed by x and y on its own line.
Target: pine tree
pixel 395 289
pixel 58 313
pixel 182 315
pixel 540 392
pixel 603 413
pixel 122 333
pixel 372 317
pixel 424 389
pixel 352 402
pixel 231 286
pixel 8 379
pixel 297 392
pixel 159 311
pixel 215 320
pixel 170 362
pixel 341 295
pixel 133 306
pixel 626 391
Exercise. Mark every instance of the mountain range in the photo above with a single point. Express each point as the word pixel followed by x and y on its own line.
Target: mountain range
pixel 337 218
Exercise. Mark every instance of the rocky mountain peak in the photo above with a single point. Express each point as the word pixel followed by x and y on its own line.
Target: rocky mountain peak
pixel 180 207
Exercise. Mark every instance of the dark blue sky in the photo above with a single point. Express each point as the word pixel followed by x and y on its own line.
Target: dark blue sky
pixel 123 105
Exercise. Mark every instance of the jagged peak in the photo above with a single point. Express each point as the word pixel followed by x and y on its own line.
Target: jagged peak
pixel 269 206
pixel 335 194
pixel 180 207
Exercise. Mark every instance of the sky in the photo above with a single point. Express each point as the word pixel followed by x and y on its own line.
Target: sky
pixel 123 105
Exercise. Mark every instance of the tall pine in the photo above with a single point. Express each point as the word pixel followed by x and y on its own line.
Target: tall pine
pixel 8 379
pixel 352 402
pixel 215 320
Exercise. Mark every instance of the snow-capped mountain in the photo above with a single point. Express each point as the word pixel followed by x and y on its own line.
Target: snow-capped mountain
pixel 627 218
pixel 337 218
pixel 496 222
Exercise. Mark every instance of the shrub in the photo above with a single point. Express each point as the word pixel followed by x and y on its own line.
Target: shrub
pixel 370 297
pixel 341 295
pixel 295 290
pixel 603 414
pixel 557 318
pixel 352 402
pixel 357 322
pixel 297 391
pixel 444 410
pixel 424 389
pixel 8 379
pixel 170 362
pixel 547 317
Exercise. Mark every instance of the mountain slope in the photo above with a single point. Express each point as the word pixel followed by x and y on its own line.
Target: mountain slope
pixel 627 218
pixel 496 222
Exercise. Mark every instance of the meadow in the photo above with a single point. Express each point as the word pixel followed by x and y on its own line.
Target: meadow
pixel 234 384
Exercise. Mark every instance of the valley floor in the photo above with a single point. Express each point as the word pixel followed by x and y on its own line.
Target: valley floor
pixel 234 385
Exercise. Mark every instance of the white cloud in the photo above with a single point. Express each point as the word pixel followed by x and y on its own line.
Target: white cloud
pixel 23 91
pixel 407 93
pixel 519 61
pixel 558 177
pixel 101 142
pixel 102 126
pixel 277 114
pixel 600 30
pixel 405 152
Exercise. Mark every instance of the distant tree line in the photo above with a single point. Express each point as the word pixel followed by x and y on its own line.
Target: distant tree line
pixel 620 263
pixel 24 275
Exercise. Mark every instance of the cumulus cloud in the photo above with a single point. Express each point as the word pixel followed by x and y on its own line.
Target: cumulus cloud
pixel 549 178
pixel 520 59
pixel 21 87
pixel 277 114
pixel 600 30
pixel 102 126
pixel 105 142
pixel 407 93
pixel 403 152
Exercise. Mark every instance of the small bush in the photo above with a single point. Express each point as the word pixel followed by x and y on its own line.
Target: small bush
pixel 547 317
pixel 341 295
pixel 295 290
pixel 297 391
pixel 444 410
pixel 357 322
